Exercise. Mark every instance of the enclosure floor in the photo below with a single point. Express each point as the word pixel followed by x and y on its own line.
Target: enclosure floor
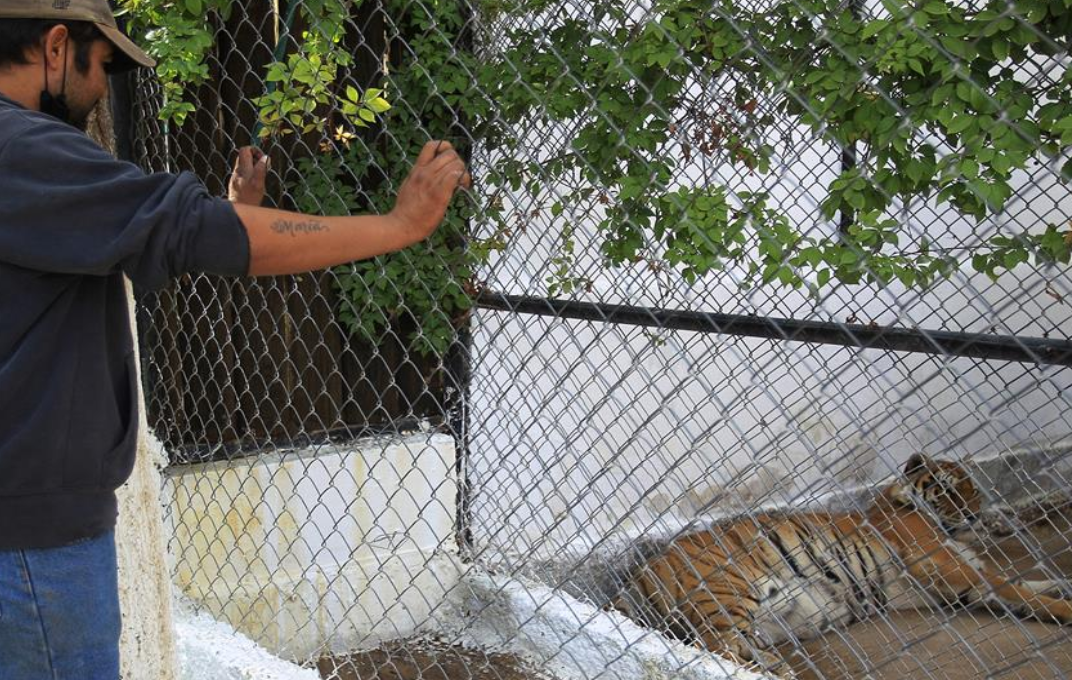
pixel 425 660
pixel 964 645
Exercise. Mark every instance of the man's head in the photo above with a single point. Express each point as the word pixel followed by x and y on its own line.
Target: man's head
pixel 62 50
pixel 95 12
pixel 19 37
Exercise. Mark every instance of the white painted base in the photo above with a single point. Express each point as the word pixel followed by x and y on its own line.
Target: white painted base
pixel 319 551
pixel 572 640
pixel 210 650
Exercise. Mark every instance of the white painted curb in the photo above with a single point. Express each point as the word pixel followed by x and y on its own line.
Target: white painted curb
pixel 574 640
pixel 210 650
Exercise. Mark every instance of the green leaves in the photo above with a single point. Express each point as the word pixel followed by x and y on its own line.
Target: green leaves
pixel 305 87
pixel 363 109
pixel 1053 246
pixel 375 102
pixel 696 231
pixel 896 88
pixel 297 88
pixel 925 93
pixel 179 38
pixel 853 192
pixel 427 288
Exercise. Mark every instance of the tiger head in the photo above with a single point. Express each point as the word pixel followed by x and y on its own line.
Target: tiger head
pixel 944 487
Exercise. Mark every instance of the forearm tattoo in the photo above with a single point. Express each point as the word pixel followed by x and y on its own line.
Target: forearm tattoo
pixel 296 227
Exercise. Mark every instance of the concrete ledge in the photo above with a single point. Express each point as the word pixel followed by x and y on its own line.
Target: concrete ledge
pixel 320 550
pixel 210 650
pixel 572 640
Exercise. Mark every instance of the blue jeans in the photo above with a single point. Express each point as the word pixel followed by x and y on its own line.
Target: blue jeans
pixel 59 612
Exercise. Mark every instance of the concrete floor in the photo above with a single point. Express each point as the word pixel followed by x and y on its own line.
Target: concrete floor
pixel 956 646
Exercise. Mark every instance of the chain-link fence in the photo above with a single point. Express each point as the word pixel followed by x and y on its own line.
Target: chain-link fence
pixel 650 404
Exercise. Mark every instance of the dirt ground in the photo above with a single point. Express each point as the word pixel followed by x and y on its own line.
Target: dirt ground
pixel 425 660
pixel 957 646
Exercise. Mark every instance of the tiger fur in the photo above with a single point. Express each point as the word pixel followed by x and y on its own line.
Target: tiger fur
pixel 746 585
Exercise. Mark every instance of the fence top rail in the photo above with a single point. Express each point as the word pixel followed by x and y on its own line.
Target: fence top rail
pixel 864 336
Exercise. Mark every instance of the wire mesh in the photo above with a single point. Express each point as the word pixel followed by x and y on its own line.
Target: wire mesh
pixel 606 500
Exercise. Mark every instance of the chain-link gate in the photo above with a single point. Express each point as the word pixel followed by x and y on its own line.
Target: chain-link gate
pixel 652 402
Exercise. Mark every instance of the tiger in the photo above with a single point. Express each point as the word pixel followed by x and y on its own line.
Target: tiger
pixel 743 586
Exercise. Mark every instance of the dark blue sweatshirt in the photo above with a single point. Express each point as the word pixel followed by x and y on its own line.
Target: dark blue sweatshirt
pixel 73 221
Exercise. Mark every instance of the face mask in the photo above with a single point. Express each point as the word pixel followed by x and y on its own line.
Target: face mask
pixel 56 106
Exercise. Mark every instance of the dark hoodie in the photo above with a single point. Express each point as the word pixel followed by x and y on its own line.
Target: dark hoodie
pixel 73 221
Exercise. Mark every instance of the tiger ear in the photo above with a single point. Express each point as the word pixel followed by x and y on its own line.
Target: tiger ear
pixel 916 464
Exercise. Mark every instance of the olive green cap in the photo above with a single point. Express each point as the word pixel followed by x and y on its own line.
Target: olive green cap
pixel 96 12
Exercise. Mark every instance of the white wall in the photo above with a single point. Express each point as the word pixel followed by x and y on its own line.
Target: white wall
pixel 319 550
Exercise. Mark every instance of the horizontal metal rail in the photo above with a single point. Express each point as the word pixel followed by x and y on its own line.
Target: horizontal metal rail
pixel 864 336
pixel 191 454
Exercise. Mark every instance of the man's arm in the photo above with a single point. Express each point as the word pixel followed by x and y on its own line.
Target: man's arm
pixel 282 242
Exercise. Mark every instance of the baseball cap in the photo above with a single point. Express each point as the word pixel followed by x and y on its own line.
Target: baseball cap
pixel 96 12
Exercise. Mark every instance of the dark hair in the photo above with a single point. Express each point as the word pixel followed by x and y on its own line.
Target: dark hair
pixel 19 36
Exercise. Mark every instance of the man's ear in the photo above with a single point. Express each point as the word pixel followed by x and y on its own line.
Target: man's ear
pixel 54 45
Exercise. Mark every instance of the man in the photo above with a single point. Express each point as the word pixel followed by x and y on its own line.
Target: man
pixel 73 221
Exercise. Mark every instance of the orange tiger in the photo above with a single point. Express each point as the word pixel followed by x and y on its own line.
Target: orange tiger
pixel 750 583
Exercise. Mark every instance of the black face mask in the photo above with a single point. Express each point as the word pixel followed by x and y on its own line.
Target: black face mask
pixel 56 106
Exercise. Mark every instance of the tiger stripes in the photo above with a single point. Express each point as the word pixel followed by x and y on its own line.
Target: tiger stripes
pixel 743 586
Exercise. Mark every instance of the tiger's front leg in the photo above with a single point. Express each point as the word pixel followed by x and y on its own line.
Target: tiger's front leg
pixel 732 645
pixel 1051 588
pixel 956 581
pixel 726 630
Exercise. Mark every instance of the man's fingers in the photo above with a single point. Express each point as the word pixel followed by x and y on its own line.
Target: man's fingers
pixel 461 180
pixel 260 171
pixel 428 152
pixel 447 172
pixel 447 166
pixel 444 160
pixel 245 162
pixel 451 178
pixel 435 150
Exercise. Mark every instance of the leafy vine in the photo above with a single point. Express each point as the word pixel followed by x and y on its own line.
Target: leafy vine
pixel 925 97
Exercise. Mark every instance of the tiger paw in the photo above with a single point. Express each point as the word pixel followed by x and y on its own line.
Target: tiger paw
pixel 773 665
pixel 761 661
